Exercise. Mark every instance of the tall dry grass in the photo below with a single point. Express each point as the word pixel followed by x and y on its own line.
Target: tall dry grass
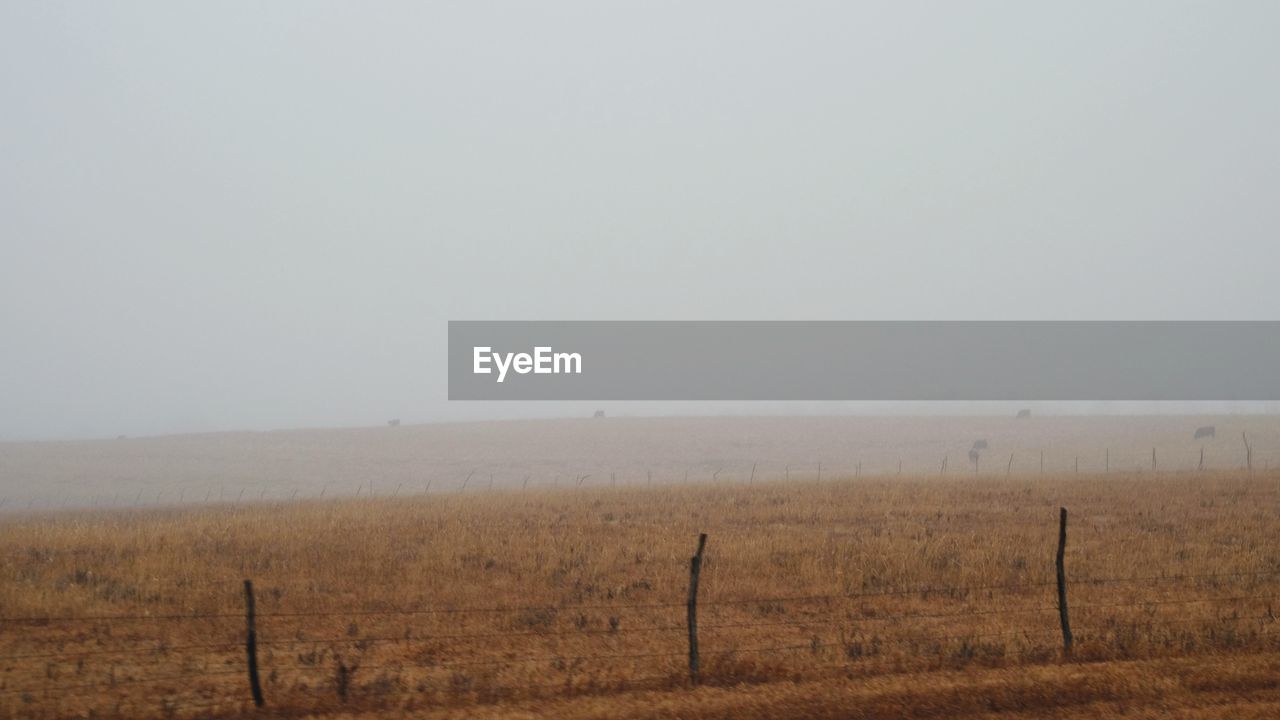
pixel 532 599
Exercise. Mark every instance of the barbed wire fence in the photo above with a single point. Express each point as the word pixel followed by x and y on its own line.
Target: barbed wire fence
pixel 802 635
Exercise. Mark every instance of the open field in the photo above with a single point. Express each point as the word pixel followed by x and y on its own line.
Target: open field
pixel 446 458
pixel 920 596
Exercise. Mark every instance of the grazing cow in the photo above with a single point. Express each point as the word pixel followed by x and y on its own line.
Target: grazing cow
pixel 1024 413
pixel 973 458
pixel 599 414
pixel 394 422
pixel 1208 431
pixel 979 445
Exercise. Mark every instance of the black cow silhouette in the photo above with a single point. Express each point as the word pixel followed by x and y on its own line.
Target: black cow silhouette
pixel 1206 431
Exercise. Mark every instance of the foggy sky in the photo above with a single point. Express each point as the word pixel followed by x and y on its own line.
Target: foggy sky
pixel 257 215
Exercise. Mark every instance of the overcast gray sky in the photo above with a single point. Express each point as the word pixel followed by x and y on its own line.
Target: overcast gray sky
pixel 255 215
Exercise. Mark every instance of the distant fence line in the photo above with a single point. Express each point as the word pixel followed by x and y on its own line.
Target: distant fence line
pixel 952 464
pixel 260 630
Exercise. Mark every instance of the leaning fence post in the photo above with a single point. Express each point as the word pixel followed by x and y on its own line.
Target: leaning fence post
pixel 695 569
pixel 251 644
pixel 1062 582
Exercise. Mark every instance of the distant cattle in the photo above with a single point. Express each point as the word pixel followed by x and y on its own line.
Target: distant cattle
pixel 979 445
pixel 599 414
pixel 393 422
pixel 1024 413
pixel 1208 431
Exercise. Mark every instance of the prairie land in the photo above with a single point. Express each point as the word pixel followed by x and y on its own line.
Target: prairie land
pixel 904 596
pixel 182 470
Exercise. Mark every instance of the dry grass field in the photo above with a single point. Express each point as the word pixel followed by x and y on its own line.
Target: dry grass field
pixel 852 597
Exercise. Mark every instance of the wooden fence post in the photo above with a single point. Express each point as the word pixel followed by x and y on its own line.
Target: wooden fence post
pixel 1201 467
pixel 1108 466
pixel 753 474
pixel 1248 452
pixel 695 569
pixel 1009 468
pixel 251 644
pixel 1153 459
pixel 1062 582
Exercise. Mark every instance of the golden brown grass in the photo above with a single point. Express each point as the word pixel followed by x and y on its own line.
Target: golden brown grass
pixel 850 598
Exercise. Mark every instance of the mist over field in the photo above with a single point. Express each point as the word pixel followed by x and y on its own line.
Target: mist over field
pixel 607 452
pixel 235 238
